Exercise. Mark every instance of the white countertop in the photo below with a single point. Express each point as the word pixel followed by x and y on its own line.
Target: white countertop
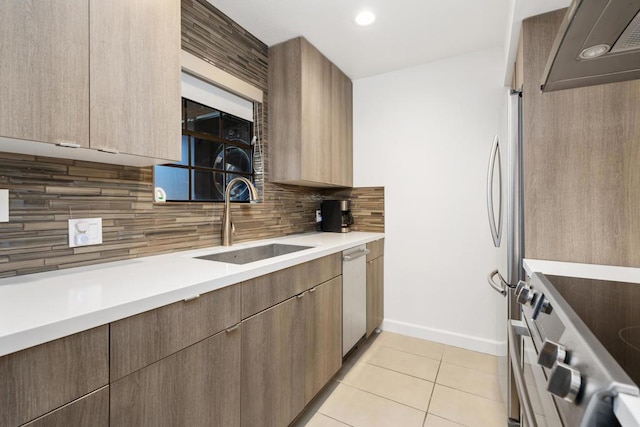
pixel 42 307
pixel 626 408
pixel 585 271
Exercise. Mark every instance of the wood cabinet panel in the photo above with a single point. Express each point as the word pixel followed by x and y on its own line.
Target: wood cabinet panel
pixel 273 365
pixel 376 249
pixel 316 140
pixel 581 154
pixel 42 378
pixel 135 77
pixel 375 293
pixel 265 291
pixel 323 337
pixel 341 128
pixel 44 70
pixel 91 410
pixel 198 386
pixel 310 117
pixel 140 340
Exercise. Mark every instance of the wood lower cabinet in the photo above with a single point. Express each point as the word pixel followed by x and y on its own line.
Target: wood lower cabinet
pixel 375 285
pixel 91 410
pixel 140 340
pixel 289 352
pixel 43 378
pixel 323 337
pixel 273 365
pixel 197 386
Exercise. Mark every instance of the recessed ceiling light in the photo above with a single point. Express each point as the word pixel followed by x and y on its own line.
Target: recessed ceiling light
pixel 365 17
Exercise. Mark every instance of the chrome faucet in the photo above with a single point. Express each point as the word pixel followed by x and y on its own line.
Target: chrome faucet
pixel 227 225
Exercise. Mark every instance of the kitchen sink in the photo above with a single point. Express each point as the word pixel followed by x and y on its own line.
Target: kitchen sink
pixel 256 253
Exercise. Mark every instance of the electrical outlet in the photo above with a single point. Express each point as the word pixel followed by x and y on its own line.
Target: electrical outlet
pixel 85 232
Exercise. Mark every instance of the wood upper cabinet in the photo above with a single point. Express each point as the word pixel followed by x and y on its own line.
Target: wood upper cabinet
pixel 581 156
pixel 197 386
pixel 310 117
pixel 135 77
pixel 375 285
pixel 42 378
pixel 97 74
pixel 44 70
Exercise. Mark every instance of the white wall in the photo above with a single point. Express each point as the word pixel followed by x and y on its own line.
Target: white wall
pixel 425 134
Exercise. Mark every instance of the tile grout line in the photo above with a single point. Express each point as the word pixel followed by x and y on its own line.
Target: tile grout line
pixel 433 390
pixel 381 397
pixel 333 418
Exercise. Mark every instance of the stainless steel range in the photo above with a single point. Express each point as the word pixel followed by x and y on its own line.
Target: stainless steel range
pixel 580 349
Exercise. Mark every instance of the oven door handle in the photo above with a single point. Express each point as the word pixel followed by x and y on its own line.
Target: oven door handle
pixel 516 329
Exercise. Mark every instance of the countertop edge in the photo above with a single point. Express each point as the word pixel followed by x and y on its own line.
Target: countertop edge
pixel 584 271
pixel 29 337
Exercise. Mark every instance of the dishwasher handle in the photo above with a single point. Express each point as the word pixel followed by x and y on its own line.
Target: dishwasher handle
pixel 356 255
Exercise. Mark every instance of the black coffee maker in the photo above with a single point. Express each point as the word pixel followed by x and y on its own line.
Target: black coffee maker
pixel 336 216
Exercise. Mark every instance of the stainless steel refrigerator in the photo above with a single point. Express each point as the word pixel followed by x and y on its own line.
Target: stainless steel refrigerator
pixel 504 207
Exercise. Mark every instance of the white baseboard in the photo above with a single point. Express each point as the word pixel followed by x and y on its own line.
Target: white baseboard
pixel 497 348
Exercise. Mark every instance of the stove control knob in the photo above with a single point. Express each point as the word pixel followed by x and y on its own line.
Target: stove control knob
pixel 521 284
pixel 551 353
pixel 525 296
pixel 565 382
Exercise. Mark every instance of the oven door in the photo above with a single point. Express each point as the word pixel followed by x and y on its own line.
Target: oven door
pixel 537 406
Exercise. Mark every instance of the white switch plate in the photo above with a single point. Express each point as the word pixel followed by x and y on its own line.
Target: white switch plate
pixel 4 205
pixel 85 232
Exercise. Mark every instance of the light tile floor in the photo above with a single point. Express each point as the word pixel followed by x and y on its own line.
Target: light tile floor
pixel 395 380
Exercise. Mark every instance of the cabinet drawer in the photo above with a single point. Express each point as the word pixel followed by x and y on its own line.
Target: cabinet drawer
pixel 265 291
pixel 377 249
pixel 140 340
pixel 42 378
pixel 90 410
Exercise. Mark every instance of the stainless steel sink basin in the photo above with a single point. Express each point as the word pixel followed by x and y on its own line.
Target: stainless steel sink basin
pixel 256 253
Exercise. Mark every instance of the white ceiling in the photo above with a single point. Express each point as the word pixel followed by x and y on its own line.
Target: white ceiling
pixel 406 32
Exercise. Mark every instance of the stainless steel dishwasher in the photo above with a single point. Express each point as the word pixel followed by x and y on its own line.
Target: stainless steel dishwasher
pixel 354 296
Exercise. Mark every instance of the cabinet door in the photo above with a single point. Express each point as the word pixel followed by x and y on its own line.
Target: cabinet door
pixel 135 77
pixel 341 128
pixel 140 340
pixel 198 386
pixel 317 149
pixel 44 70
pixel 323 335
pixel 273 364
pixel 375 294
pixel 91 410
pixel 42 378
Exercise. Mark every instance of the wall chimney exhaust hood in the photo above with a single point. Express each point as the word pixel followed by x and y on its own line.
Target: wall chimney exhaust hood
pixel 598 42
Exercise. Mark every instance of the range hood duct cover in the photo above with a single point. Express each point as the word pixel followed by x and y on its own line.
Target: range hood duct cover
pixel 589 23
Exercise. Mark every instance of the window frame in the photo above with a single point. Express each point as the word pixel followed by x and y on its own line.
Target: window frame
pixel 189 163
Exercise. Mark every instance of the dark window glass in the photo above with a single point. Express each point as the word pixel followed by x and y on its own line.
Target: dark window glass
pixel 216 147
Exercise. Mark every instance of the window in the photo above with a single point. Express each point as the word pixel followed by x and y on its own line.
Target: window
pixel 216 147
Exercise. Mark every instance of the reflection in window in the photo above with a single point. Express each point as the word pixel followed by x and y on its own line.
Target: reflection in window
pixel 216 147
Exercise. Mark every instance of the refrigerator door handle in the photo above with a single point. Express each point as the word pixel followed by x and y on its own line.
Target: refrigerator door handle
pixel 493 159
pixel 499 288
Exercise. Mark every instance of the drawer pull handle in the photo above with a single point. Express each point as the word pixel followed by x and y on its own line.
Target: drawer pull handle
pixel 192 298
pixel 301 294
pixel 233 328
pixel 312 290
